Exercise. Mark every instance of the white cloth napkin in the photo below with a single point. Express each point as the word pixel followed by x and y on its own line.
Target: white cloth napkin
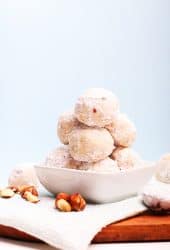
pixel 66 231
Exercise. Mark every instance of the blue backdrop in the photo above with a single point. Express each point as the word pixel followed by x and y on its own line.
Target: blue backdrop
pixel 50 51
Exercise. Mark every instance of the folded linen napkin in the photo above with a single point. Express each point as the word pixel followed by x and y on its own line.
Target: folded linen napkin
pixel 66 231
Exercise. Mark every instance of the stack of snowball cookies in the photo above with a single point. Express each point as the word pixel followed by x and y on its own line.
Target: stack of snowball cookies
pixel 96 135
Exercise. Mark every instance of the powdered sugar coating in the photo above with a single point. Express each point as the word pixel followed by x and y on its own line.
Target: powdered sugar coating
pixel 163 169
pixel 126 158
pixel 122 130
pixel 106 165
pixel 61 158
pixel 23 174
pixel 96 107
pixel 66 123
pixel 156 196
pixel 90 144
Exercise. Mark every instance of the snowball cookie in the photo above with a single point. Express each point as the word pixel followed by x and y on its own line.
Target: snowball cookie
pixel 156 196
pixel 90 144
pixel 61 158
pixel 163 169
pixel 96 107
pixel 106 165
pixel 125 157
pixel 23 174
pixel 122 130
pixel 67 121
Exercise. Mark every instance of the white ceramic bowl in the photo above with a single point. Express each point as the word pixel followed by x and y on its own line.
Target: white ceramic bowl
pixel 93 186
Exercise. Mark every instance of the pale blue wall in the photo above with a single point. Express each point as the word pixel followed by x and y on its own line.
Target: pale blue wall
pixel 50 51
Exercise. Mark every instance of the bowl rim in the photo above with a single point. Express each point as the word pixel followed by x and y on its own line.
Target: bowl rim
pixel 77 171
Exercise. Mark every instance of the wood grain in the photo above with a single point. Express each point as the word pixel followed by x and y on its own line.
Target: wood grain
pixel 145 227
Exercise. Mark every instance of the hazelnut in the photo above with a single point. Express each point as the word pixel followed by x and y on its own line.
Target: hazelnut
pixel 77 202
pixel 7 193
pixel 27 195
pixel 63 205
pixel 60 196
pixel 64 196
pixel 30 189
pixel 14 189
pixel 22 188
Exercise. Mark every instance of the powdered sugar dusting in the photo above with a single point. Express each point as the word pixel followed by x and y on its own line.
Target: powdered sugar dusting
pixel 23 174
pixel 126 157
pixel 90 144
pixel 122 130
pixel 97 107
pixel 106 165
pixel 156 196
pixel 59 158
pixel 66 123
pixel 163 169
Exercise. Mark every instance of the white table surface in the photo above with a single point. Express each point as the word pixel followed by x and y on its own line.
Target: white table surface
pixel 7 244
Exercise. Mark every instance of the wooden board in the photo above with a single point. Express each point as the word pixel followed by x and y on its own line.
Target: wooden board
pixel 145 227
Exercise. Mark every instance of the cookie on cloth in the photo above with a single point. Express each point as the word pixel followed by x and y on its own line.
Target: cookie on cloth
pixel 163 169
pixel 23 174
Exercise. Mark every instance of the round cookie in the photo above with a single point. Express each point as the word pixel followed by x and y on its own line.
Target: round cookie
pixel 90 144
pixel 156 196
pixel 23 174
pixel 97 107
pixel 61 158
pixel 106 165
pixel 66 123
pixel 126 158
pixel 122 130
pixel 163 169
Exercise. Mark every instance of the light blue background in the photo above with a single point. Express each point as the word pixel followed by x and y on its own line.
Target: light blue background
pixel 50 51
